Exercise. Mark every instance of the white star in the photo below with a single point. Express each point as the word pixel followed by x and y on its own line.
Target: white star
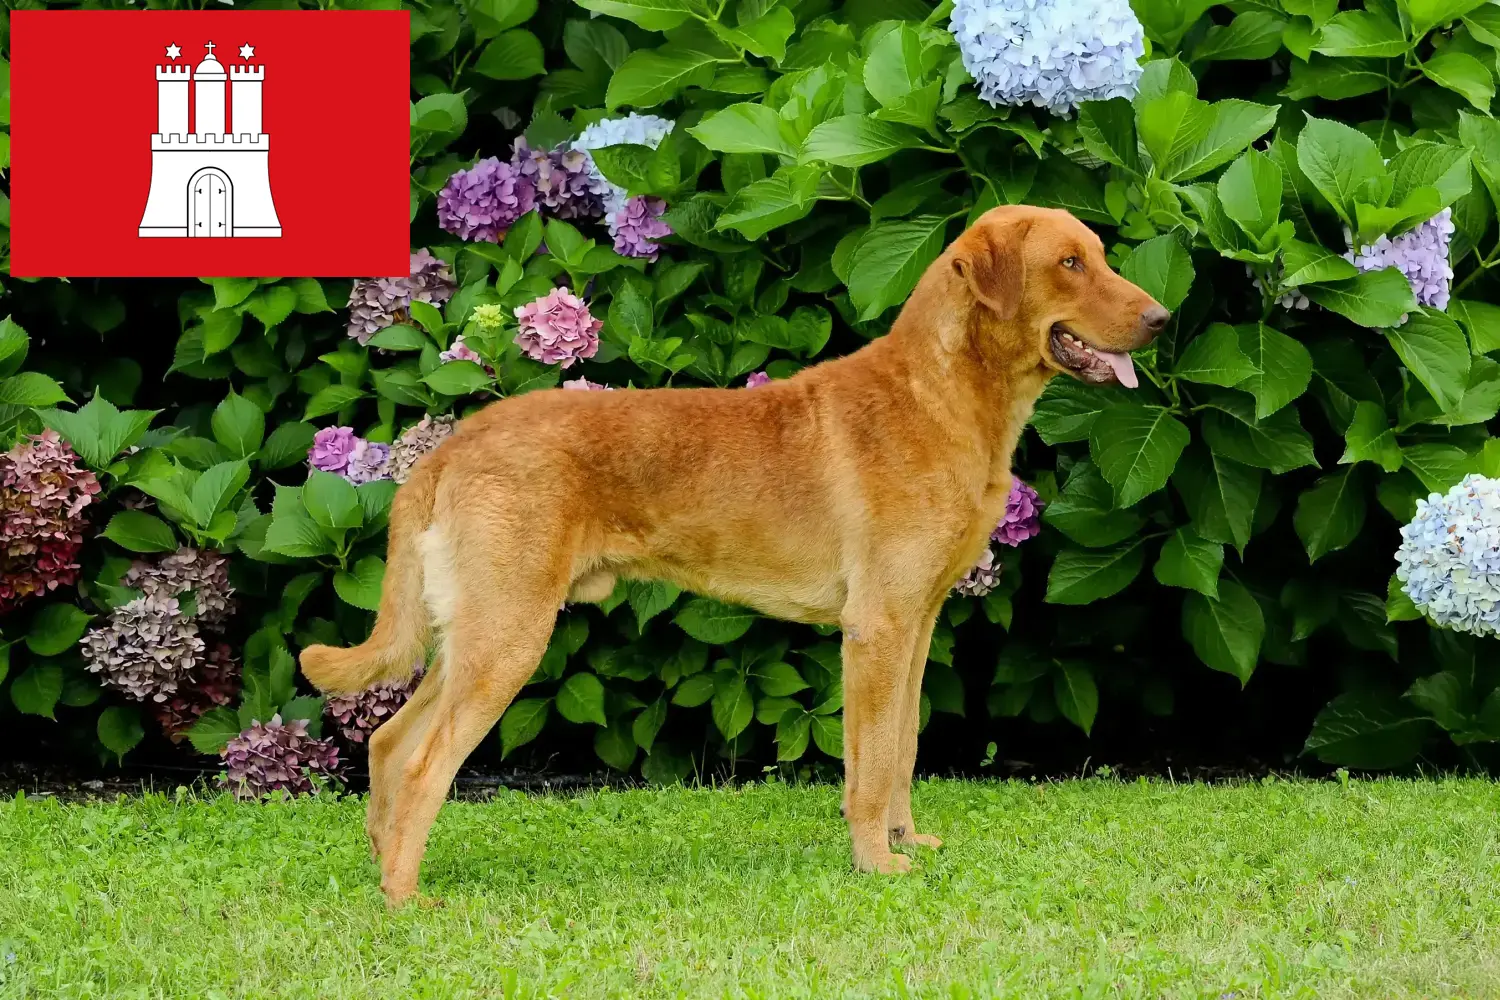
pixel 247 51
pixel 173 51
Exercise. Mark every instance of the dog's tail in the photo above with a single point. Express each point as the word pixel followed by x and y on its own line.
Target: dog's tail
pixel 402 625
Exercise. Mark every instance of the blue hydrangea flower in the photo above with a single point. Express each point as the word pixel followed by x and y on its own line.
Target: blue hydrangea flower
pixel 1449 559
pixel 1054 54
pixel 634 129
pixel 1420 253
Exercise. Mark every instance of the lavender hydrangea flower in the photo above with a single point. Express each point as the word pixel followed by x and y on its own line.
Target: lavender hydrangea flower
pixel 1420 253
pixel 205 573
pixel 147 649
pixel 1023 515
pixel 755 379
pixel 1449 559
pixel 636 225
pixel 276 756
pixel 360 714
pixel 376 303
pixel 481 203
pixel 43 491
pixel 331 449
pixel 558 329
pixel 1054 54
pixel 416 441
pixel 634 129
pixel 983 578
pixel 368 461
pixel 1292 298
pixel 566 184
pixel 587 386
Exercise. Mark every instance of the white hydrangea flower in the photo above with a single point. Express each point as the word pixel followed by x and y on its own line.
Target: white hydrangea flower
pixel 1449 559
pixel 1292 298
pixel 634 129
pixel 1054 54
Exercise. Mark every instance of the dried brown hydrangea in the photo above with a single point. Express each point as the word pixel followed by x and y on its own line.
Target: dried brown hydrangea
pixel 43 491
pixel 215 682
pixel 205 573
pixel 376 303
pixel 276 755
pixel 415 442
pixel 359 715
pixel 147 649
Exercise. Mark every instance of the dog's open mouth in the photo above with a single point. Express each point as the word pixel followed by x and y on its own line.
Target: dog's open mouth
pixel 1089 363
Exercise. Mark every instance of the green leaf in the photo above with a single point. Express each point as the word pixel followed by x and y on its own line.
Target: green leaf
pixel 1366 730
pixel 828 734
pixel 1344 165
pixel 1252 35
pixel 140 532
pixel 522 723
pixel 214 490
pixel 944 689
pixel 239 425
pixel 1068 408
pixel 649 723
pixel 1481 320
pixel 97 430
pixel 362 586
pixel 1190 562
pixel 763 205
pixel 213 730
pixel 1433 348
pixel 744 128
pixel 792 732
pixel 1214 357
pixel 56 629
pixel 288 444
pixel 1162 268
pixel 1361 33
pixel 331 399
pixel 512 55
pixel 653 15
pixel 889 259
pixel 36 690
pixel 1085 510
pixel 856 140
pixel 1277 443
pixel 1330 514
pixel 1077 695
pixel 1283 367
pixel 1082 576
pixel 1229 126
pixel 30 389
pixel 732 706
pixel 14 345
pixel 653 76
pixel 331 501
pixel 458 378
pixel 119 729
pixel 1438 466
pixel 1136 448
pixel 615 746
pixel 1398 605
pixel 1250 191
pixel 400 337
pixel 1226 633
pixel 1373 299
pixel 1462 74
pixel 581 699
pixel 778 679
pixel 1306 263
pixel 1370 438
pixel 649 598
pixel 714 622
pixel 1108 131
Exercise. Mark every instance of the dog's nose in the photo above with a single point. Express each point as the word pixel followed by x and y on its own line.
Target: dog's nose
pixel 1154 320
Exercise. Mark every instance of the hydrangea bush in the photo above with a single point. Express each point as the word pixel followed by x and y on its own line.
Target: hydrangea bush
pixel 615 195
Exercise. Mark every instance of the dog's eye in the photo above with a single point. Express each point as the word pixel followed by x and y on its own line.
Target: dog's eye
pixel 1073 264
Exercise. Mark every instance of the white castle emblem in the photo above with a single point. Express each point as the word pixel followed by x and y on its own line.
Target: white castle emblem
pixel 210 181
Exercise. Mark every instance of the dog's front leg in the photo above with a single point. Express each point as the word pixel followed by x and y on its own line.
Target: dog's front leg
pixel 903 828
pixel 877 661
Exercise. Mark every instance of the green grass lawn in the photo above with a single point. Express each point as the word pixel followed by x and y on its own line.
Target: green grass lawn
pixel 1077 889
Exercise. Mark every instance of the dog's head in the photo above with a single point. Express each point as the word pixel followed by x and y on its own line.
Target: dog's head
pixel 1043 272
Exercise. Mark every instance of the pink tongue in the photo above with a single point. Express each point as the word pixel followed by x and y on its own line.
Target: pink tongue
pixel 1121 363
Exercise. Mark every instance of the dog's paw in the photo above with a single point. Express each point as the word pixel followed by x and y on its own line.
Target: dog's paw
pixel 900 836
pixel 887 864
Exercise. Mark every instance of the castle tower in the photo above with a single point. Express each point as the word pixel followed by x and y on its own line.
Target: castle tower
pixel 208 95
pixel 244 85
pixel 172 99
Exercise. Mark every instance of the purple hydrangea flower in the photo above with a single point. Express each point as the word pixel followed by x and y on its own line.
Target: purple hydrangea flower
pixel 272 756
pixel 558 329
pixel 757 379
pixel 360 714
pixel 566 186
pixel 148 649
pixel 983 578
pixel 481 203
pixel 1023 515
pixel 1449 559
pixel 1055 54
pixel 368 461
pixel 1420 253
pixel 637 224
pixel 376 303
pixel 331 449
pixel 587 386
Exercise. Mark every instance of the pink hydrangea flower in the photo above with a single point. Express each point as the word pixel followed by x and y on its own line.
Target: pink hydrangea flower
pixel 277 756
pixel 43 491
pixel 586 385
pixel 757 379
pixel 557 329
pixel 983 578
pixel 331 449
pixel 1023 515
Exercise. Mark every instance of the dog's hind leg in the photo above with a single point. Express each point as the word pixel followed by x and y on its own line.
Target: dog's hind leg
pixel 503 603
pixel 390 746
pixel 903 828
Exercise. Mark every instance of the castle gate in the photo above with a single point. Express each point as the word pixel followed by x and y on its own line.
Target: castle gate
pixel 210 203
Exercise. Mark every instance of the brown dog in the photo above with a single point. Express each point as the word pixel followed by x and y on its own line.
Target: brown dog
pixel 855 493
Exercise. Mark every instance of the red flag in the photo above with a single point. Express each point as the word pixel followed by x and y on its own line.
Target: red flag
pixel 281 137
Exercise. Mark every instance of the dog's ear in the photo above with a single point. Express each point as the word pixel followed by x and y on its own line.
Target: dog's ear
pixel 989 258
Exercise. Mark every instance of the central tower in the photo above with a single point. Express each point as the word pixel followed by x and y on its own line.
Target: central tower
pixel 208 95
